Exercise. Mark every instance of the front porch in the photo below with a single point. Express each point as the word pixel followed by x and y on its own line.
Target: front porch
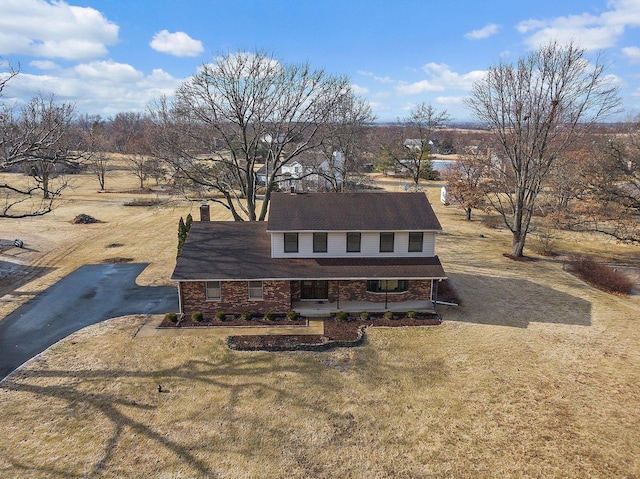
pixel 323 308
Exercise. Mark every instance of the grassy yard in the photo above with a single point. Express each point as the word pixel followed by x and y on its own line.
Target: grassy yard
pixel 534 375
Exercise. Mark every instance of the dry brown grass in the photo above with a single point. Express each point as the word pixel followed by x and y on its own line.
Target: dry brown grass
pixel 535 375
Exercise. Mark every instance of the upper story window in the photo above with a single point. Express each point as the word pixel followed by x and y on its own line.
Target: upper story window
pixel 353 242
pixel 255 290
pixel 386 242
pixel 415 242
pixel 214 291
pixel 319 242
pixel 291 242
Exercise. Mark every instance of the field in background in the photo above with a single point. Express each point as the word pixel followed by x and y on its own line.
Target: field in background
pixel 534 375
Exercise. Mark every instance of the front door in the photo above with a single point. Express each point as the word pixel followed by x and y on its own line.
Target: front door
pixel 314 289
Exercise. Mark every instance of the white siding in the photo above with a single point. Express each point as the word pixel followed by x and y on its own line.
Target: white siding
pixel 337 246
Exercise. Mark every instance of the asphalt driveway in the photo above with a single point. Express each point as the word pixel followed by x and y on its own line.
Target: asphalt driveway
pixel 89 295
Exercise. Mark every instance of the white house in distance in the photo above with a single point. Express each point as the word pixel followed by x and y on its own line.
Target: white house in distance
pixel 306 173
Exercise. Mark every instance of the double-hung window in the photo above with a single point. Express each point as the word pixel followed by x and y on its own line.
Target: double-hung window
pixel 214 291
pixel 353 242
pixel 415 242
pixel 256 290
pixel 386 242
pixel 319 242
pixel 291 242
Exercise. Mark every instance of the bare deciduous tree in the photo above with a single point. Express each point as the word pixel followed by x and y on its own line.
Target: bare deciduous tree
pixel 413 150
pixel 46 127
pixel 344 144
pixel 244 109
pixel 96 147
pixel 609 202
pixel 465 178
pixel 36 140
pixel 535 111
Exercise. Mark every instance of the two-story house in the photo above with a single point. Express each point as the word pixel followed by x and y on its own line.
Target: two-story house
pixel 318 253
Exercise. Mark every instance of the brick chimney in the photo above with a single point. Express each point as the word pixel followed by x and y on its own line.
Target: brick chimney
pixel 205 213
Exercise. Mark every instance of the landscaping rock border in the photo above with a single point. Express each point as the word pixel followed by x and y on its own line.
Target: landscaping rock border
pixel 232 343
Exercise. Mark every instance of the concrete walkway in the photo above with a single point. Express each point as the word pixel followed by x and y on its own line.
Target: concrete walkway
pixel 150 329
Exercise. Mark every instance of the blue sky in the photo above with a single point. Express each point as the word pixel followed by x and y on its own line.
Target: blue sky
pixel 108 56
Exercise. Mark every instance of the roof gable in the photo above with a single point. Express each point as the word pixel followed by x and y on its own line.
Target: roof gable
pixel 366 211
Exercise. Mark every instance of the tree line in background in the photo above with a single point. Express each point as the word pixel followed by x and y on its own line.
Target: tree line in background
pixel 229 133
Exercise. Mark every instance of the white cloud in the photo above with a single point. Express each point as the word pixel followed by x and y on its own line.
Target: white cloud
pixel 383 80
pixel 359 90
pixel 44 65
pixel 450 100
pixel 421 86
pixel 107 71
pixel 101 87
pixel 439 78
pixel 593 32
pixel 484 32
pixel 178 44
pixel 54 30
pixel 632 53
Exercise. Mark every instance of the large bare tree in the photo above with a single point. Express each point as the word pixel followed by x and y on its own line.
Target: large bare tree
pixel 35 140
pixel 95 146
pixel 344 146
pixel 535 110
pixel 413 149
pixel 244 109
pixel 609 199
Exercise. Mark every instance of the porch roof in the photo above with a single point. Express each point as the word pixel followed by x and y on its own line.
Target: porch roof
pixel 227 250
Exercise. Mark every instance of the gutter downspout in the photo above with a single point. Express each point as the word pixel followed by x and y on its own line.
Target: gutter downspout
pixel 180 300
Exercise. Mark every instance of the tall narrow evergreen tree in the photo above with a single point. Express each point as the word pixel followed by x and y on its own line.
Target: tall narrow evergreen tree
pixel 182 235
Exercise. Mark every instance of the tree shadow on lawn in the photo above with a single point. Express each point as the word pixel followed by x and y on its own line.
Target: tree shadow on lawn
pixel 15 275
pixel 514 302
pixel 238 373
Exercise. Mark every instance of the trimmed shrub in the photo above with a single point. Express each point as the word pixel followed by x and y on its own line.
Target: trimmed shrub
pixel 246 315
pixel 173 317
pixel 269 315
pixel 292 315
pixel 600 275
pixel 197 316
pixel 412 315
pixel 388 315
pixel 364 316
pixel 221 315
pixel 342 316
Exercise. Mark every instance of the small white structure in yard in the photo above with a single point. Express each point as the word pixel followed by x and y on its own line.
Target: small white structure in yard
pixel 444 196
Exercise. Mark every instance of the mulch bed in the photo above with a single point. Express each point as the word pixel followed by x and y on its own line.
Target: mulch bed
pixel 231 321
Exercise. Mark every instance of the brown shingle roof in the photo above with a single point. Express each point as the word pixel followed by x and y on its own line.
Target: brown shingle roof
pixel 368 211
pixel 227 250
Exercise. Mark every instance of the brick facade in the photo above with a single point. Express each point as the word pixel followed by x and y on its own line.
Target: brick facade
pixel 357 291
pixel 278 295
pixel 235 298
